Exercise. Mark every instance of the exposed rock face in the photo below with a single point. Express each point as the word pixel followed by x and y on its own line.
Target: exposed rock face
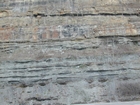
pixel 62 52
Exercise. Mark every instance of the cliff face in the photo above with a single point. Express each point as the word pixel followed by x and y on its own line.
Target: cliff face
pixel 62 52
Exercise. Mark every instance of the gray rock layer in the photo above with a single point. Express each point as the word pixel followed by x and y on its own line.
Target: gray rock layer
pixel 63 52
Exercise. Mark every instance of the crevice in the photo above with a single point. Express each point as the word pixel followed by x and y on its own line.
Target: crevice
pixel 113 36
pixel 83 48
pixel 42 99
pixel 39 70
pixel 122 14
pixel 19 77
pixel 101 71
pixel 78 14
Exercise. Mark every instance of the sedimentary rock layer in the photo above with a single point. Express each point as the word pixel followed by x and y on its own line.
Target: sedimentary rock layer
pixel 63 52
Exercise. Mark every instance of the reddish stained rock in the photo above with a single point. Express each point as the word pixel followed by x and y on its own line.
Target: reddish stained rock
pixel 44 36
pixel 6 33
pixel 5 36
pixel 55 34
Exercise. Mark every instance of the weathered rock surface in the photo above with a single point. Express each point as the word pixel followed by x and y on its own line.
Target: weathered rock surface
pixel 62 52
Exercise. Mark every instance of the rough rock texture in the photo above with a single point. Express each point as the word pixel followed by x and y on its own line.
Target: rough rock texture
pixel 63 52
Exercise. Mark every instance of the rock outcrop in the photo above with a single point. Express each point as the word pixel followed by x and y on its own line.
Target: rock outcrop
pixel 63 52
